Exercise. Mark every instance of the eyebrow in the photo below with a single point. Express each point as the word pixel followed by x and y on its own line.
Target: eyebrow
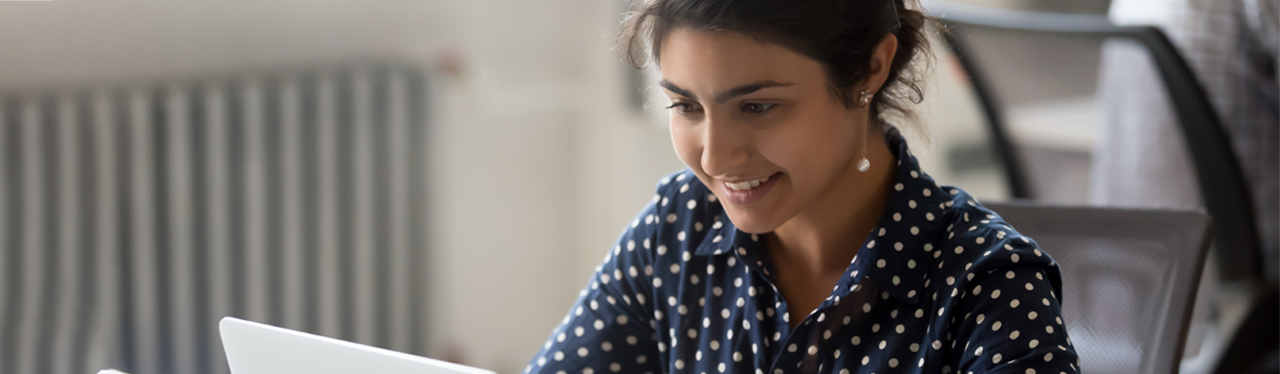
pixel 726 95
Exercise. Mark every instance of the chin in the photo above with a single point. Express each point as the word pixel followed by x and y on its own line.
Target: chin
pixel 752 223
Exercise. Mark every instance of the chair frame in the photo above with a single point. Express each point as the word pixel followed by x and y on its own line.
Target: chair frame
pixel 1225 194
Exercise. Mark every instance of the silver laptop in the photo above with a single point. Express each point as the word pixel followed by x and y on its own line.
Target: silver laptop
pixel 255 348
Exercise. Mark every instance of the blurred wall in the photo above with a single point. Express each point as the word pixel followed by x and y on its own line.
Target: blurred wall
pixel 536 162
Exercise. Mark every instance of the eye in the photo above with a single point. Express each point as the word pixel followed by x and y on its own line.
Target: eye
pixel 757 108
pixel 684 108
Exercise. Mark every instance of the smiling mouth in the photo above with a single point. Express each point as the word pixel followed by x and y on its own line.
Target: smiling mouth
pixel 747 185
pixel 747 192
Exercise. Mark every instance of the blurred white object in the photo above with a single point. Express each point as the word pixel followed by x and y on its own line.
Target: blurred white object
pixel 255 348
pixel 111 371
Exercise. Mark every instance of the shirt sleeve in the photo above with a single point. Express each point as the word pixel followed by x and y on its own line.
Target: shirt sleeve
pixel 609 329
pixel 1012 317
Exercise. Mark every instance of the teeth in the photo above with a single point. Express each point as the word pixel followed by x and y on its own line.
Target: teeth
pixel 743 186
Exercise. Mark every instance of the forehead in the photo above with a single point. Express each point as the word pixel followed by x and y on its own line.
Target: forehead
pixel 711 60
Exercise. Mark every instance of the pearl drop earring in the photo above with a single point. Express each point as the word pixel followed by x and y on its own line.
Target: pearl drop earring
pixel 864 100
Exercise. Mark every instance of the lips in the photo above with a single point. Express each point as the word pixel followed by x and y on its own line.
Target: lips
pixel 749 191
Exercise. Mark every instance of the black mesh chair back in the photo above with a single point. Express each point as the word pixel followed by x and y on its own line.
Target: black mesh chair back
pixel 1129 279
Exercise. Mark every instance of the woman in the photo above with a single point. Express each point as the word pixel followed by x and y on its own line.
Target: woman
pixel 803 237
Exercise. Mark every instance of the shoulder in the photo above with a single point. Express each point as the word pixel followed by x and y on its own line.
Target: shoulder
pixel 680 215
pixel 979 243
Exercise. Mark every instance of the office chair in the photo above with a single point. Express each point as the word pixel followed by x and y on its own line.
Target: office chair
pixel 1129 279
pixel 1220 178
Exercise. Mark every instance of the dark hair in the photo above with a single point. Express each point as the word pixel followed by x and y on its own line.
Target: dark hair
pixel 839 34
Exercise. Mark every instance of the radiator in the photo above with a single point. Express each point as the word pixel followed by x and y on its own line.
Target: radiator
pixel 134 216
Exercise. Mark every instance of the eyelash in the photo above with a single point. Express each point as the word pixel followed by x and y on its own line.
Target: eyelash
pixel 681 107
pixel 686 107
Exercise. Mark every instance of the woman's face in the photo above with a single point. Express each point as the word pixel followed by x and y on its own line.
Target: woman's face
pixel 757 123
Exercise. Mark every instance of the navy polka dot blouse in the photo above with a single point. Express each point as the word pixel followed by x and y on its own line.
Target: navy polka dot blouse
pixel 941 285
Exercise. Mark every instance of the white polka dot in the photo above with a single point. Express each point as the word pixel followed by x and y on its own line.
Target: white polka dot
pixel 893 362
pixel 1014 303
pixel 959 249
pixel 1014 258
pixel 980 240
pixel 995 294
pixel 1033 343
pixel 927 192
pixel 898 186
pixel 995 359
pixel 915 230
pixel 856 340
pixel 977 352
pixel 897 217
pixel 995 326
pixel 622 320
pixel 1048 357
pixel 1032 315
pixel 692 204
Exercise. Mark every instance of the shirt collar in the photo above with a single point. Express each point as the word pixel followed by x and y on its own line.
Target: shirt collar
pixel 899 249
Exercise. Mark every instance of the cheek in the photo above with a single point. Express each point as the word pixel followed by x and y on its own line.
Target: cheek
pixel 811 148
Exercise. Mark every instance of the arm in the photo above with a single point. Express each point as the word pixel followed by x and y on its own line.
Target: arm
pixel 609 328
pixel 1012 323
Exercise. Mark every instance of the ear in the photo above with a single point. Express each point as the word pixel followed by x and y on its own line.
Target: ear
pixel 881 62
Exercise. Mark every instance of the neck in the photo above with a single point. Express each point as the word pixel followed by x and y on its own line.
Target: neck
pixel 823 239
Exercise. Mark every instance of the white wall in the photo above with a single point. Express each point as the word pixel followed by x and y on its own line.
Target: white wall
pixel 536 162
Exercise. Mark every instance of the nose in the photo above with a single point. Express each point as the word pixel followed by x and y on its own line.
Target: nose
pixel 726 146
